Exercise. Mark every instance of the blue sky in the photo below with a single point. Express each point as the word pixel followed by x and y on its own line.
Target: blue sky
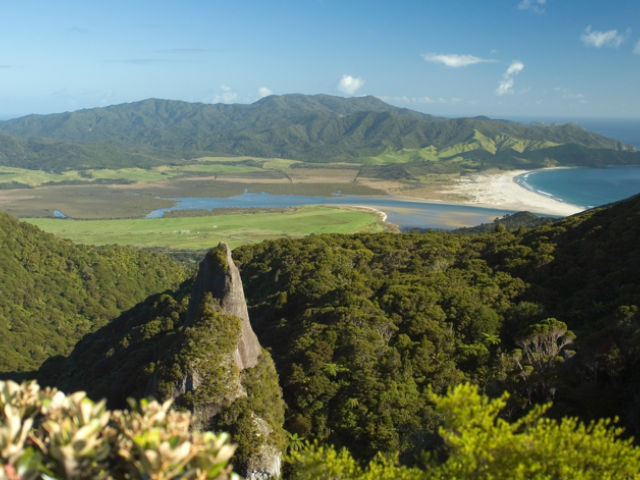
pixel 569 58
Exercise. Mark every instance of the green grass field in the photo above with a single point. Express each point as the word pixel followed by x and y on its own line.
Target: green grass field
pixel 205 165
pixel 204 232
pixel 33 177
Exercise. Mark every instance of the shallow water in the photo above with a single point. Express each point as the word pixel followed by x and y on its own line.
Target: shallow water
pixel 584 187
pixel 401 212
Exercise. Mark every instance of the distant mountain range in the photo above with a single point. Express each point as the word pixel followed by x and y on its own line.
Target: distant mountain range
pixel 318 128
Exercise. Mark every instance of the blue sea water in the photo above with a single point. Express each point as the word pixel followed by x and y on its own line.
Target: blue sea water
pixel 584 187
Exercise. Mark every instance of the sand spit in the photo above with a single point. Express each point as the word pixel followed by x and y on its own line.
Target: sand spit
pixel 383 216
pixel 499 190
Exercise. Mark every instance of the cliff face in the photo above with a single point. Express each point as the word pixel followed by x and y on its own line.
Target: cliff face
pixel 217 369
pixel 219 276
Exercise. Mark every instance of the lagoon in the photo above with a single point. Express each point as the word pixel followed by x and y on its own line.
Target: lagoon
pixel 400 212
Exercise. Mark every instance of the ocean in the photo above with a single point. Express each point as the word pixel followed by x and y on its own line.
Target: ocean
pixel 584 187
pixel 588 187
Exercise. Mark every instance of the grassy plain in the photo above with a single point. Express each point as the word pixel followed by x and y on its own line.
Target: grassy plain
pixel 33 177
pixel 203 232
pixel 227 176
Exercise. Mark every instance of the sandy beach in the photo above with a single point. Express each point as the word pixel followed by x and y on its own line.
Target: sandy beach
pixel 498 190
pixel 383 216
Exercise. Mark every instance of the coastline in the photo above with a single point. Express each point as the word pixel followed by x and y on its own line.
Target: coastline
pixel 379 213
pixel 500 190
pixel 383 216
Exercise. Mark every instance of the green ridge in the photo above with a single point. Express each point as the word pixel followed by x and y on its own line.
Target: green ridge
pixel 308 128
pixel 53 292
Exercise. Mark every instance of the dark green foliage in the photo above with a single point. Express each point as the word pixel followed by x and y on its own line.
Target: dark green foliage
pixel 53 292
pixel 204 349
pixel 264 399
pixel 189 258
pixel 118 360
pixel 359 326
pixel 357 323
pixel 217 259
pixel 181 125
pixel 12 185
pixel 585 271
pixel 147 349
pixel 56 156
pixel 311 128
pixel 509 222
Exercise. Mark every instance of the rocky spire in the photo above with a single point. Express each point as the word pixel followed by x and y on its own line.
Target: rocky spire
pixel 217 364
pixel 220 276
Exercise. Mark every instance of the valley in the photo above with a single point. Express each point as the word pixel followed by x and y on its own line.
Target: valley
pixel 100 164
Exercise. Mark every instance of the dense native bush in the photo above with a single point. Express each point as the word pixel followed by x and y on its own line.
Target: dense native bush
pixel 45 434
pixel 53 292
pixel 361 327
pixel 478 444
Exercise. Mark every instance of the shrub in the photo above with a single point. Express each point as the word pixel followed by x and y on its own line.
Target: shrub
pixel 481 446
pixel 47 434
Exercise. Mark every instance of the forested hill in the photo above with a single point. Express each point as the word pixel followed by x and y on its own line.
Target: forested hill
pixel 53 292
pixel 317 128
pixel 361 327
pixel 168 122
pixel 58 156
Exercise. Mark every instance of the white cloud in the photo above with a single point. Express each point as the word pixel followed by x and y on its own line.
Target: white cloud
pixel 601 39
pixel 264 92
pixel 455 100
pixel 350 85
pixel 506 84
pixel 406 99
pixel 515 68
pixel 227 96
pixel 453 60
pixel 636 49
pixel 532 5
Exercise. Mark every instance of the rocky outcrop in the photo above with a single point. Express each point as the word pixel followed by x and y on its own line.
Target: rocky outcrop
pixel 215 364
pixel 220 276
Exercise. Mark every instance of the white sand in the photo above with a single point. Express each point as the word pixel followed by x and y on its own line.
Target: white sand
pixel 499 190
pixel 383 216
pixel 380 213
